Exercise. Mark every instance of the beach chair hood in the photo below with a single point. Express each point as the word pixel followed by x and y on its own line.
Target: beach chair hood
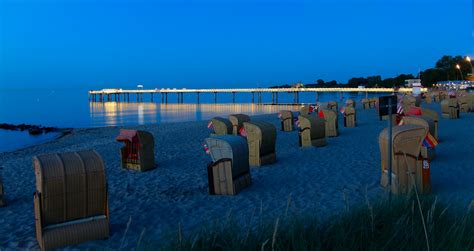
pixel 230 147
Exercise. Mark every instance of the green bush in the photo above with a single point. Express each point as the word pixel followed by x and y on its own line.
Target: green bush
pixel 395 225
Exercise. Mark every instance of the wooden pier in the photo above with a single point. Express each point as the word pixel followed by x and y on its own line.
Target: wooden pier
pixel 120 95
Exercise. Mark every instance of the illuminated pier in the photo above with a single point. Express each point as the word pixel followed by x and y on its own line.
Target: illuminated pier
pixel 119 95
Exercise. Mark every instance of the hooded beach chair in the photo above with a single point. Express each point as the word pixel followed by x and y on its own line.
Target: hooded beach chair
pixel 408 102
pixel 331 125
pixel 408 168
pixel 450 108
pixel 435 117
pixel 312 131
pixel 229 171
pixel 221 126
pixel 428 123
pixel 349 117
pixel 286 118
pixel 365 103
pixel 463 103
pixel 261 139
pixel 350 103
pixel 304 110
pixel 373 102
pixel 138 152
pixel 70 202
pixel 428 98
pixel 332 106
pixel 237 121
pixel 470 102
pixel 443 95
pixel 435 96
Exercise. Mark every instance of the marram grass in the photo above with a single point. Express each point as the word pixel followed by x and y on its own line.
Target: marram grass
pixel 380 226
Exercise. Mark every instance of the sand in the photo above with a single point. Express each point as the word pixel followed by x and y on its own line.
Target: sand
pixel 320 181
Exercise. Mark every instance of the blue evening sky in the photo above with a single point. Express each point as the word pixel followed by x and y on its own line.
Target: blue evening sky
pixel 211 43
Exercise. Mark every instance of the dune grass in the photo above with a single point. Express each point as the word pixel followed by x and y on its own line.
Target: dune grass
pixel 384 225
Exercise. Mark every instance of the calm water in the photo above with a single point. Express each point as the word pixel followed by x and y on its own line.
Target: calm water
pixel 70 108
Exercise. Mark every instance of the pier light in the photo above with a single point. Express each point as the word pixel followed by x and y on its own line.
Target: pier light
pixel 459 67
pixel 468 59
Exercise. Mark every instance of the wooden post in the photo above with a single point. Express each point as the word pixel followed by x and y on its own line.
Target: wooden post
pixel 276 93
pixel 166 98
pixel 215 97
pixel 253 97
pixel 151 97
pixel 233 97
pixel 198 97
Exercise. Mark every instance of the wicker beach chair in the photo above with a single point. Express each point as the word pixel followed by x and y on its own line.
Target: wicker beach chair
pixel 304 110
pixel 286 121
pixel 350 103
pixel 229 171
pixel 435 117
pixel 138 152
pixel 332 105
pixel 428 98
pixel 408 102
pixel 70 202
pixel 261 139
pixel 463 103
pixel 407 171
pixel 312 131
pixel 349 117
pixel 428 124
pixel 2 200
pixel 373 102
pixel 443 95
pixel 450 108
pixel 470 102
pixel 330 117
pixel 237 121
pixel 435 96
pixel 365 103
pixel 221 126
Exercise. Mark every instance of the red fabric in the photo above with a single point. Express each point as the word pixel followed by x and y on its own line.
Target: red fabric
pixel 321 114
pixel 414 111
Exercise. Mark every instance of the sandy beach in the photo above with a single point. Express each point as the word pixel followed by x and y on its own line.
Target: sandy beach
pixel 319 180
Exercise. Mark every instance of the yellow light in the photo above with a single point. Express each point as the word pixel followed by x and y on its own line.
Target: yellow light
pixel 457 66
pixel 468 59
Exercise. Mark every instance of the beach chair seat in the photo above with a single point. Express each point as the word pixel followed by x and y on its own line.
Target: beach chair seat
pixel 408 102
pixel 221 126
pixel 138 153
pixel 435 117
pixel 350 103
pixel 229 171
pixel 261 139
pixel 349 117
pixel 428 124
pixel 406 172
pixel 312 131
pixel 331 124
pixel 70 202
pixel 286 118
pixel 450 108
pixel 332 105
pixel 365 103
pixel 443 95
pixel 237 121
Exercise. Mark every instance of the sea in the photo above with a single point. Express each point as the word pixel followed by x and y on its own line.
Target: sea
pixel 71 108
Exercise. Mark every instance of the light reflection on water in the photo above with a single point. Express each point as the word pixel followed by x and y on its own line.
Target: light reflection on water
pixel 121 113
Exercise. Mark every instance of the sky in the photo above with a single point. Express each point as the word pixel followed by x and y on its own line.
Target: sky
pixel 226 43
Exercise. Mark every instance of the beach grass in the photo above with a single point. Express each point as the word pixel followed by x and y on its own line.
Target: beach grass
pixel 396 224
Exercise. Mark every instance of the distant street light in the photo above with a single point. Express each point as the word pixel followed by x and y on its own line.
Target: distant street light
pixel 468 59
pixel 459 68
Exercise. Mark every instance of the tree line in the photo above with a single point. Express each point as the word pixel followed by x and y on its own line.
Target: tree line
pixel 444 70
